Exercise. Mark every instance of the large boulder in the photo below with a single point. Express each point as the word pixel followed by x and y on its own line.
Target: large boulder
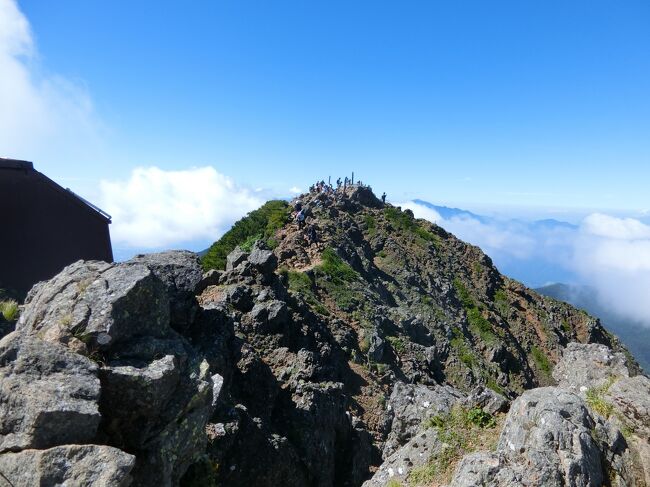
pixel 48 395
pixel 548 430
pixel 414 454
pixel 94 305
pixel 546 440
pixel 181 272
pixel 73 465
pixel 410 405
pixel 156 389
pixel 586 366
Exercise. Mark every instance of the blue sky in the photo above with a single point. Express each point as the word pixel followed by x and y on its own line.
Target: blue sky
pixel 475 103
pixel 180 117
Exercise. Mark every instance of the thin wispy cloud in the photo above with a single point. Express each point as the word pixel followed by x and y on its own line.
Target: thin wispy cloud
pixel 41 112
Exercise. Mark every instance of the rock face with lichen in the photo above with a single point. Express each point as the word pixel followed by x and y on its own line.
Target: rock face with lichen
pixel 367 346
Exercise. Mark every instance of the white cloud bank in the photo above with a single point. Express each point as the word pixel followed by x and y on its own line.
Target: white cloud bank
pixel 609 253
pixel 40 113
pixel 156 208
pixel 613 254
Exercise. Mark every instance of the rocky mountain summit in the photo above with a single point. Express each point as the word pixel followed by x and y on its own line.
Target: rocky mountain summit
pixel 361 347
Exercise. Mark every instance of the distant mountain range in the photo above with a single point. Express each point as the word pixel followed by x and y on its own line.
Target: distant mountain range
pixel 634 335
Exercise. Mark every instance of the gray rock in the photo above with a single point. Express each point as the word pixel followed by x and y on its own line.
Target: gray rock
pixel 630 398
pixel 48 395
pixel 158 406
pixel 180 271
pixel 210 278
pixel 263 259
pixel 99 303
pixel 484 468
pixel 234 258
pixel 269 316
pixel 70 465
pixel 586 366
pixel 411 405
pixel 546 440
pixel 549 431
pixel 134 396
pixel 415 453
pixel 376 348
pixel 487 399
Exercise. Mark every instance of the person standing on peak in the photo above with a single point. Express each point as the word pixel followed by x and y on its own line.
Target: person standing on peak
pixel 383 198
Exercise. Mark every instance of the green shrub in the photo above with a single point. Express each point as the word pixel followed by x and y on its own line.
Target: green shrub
pixel 480 418
pixel 300 283
pixel 9 309
pixel 501 302
pixel 463 351
pixel 480 326
pixel 371 224
pixel 463 294
pixel 258 224
pixel 494 385
pixel 461 431
pixel 398 344
pixel 596 399
pixel 541 360
pixel 404 222
pixel 478 323
pixel 336 268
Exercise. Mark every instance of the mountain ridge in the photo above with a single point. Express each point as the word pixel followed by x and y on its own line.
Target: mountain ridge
pixel 357 345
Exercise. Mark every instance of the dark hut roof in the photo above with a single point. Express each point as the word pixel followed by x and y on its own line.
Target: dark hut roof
pixel 18 165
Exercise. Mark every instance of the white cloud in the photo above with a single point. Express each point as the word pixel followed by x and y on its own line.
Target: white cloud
pixel 156 208
pixel 616 228
pixel 613 254
pixel 41 114
pixel 295 190
pixel 421 211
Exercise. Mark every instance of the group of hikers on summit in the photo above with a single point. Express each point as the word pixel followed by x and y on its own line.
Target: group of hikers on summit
pixel 325 193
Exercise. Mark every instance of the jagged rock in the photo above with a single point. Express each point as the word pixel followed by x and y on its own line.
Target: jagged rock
pixel 549 431
pixel 483 469
pixel 413 454
pixel 546 440
pixel 268 316
pixel 411 405
pixel 585 366
pixel 180 271
pixel 135 394
pixel 48 395
pixel 98 302
pixel 263 259
pixel 158 408
pixel 235 258
pixel 490 401
pixel 72 465
pixel 376 348
pixel 210 278
pixel 631 398
pixel 156 391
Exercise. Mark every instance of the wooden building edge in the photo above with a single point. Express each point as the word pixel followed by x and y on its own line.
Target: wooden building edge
pixel 44 227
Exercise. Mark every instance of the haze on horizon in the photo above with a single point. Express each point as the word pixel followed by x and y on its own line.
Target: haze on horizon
pixel 179 119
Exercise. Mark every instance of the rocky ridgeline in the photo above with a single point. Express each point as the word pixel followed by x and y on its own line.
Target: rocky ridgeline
pixel 367 347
